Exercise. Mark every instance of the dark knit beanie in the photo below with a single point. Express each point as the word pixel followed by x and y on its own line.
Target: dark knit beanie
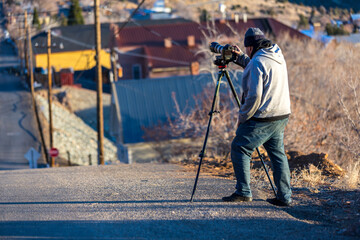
pixel 252 35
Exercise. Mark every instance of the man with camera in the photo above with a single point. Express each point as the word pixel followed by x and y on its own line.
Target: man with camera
pixel 263 115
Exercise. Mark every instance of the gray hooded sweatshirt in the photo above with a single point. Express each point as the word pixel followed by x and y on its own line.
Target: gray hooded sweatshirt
pixel 265 88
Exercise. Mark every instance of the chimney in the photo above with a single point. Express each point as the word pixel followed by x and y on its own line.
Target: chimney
pixel 237 18
pixel 167 43
pixel 245 17
pixel 194 68
pixel 191 41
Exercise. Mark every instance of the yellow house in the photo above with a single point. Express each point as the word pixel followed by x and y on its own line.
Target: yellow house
pixel 72 47
pixel 77 60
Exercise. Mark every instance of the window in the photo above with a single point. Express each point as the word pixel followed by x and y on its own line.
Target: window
pixel 136 71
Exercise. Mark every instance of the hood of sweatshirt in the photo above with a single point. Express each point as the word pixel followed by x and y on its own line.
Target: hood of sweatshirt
pixel 273 53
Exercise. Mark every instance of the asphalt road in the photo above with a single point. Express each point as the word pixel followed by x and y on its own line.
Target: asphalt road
pixel 18 130
pixel 139 201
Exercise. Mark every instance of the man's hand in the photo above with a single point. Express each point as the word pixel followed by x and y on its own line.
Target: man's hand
pixel 237 50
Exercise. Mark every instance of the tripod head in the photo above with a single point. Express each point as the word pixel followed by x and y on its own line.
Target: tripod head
pixel 221 62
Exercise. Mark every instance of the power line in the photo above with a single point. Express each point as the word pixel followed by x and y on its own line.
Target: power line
pixel 132 14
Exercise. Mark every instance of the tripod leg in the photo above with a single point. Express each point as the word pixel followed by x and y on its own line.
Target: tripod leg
pixel 266 170
pixel 202 154
pixel 232 88
pixel 257 149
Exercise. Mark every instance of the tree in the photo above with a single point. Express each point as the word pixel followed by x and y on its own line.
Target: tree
pixel 204 16
pixel 322 10
pixel 335 30
pixel 313 11
pixel 303 22
pixel 75 14
pixel 63 20
pixel 36 17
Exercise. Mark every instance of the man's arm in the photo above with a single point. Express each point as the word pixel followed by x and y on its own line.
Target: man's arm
pixel 253 98
pixel 241 58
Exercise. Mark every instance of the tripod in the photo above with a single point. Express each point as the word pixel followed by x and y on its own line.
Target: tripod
pixel 222 72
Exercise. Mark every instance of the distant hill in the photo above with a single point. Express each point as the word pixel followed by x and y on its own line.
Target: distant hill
pixel 354 4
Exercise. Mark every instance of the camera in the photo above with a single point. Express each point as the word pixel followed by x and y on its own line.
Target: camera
pixel 226 53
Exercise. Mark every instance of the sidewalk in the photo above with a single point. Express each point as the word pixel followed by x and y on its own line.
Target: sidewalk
pixel 139 201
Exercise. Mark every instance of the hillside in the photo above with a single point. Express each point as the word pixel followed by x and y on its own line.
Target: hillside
pixel 347 4
pixel 287 13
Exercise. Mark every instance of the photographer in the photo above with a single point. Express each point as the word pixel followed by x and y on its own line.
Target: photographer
pixel 263 115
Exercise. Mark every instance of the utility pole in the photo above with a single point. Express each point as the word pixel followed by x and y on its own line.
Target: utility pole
pixel 100 114
pixel 52 159
pixel 26 47
pixel 30 74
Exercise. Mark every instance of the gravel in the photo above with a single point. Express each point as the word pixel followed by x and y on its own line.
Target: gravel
pixel 73 135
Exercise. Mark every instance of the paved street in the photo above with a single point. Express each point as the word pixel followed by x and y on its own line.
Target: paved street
pixel 18 129
pixel 140 201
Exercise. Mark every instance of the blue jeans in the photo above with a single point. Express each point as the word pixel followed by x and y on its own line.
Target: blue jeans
pixel 251 135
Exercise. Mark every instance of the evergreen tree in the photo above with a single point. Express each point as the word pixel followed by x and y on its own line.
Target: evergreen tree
pixel 36 18
pixel 313 11
pixel 63 20
pixel 303 22
pixel 204 15
pixel 333 30
pixel 75 14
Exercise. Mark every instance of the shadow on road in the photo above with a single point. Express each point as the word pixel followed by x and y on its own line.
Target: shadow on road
pixel 133 202
pixel 157 229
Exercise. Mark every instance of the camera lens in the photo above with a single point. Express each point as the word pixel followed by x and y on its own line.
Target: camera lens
pixel 216 47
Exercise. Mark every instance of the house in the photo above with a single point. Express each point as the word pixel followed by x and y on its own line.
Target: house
pixel 158 50
pixel 319 22
pixel 72 47
pixel 352 38
pixel 170 48
pixel 158 11
pixel 355 19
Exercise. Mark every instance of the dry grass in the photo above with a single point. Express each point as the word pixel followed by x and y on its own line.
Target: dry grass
pixel 351 179
pixel 324 85
pixel 310 178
